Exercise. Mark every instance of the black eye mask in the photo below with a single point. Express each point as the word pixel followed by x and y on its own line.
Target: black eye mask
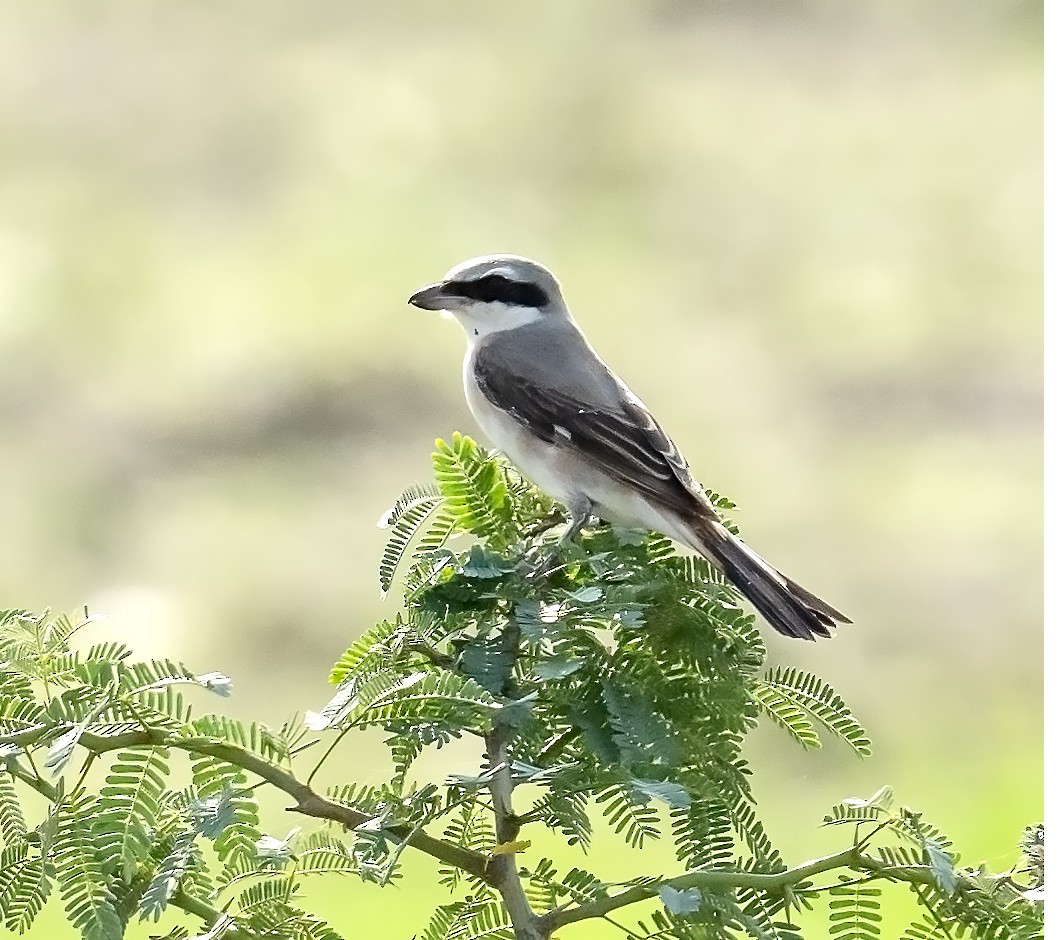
pixel 495 287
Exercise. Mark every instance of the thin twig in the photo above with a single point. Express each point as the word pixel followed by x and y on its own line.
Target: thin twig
pixel 209 915
pixel 557 746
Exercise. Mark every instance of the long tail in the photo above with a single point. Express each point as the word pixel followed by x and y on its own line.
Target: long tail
pixel 784 604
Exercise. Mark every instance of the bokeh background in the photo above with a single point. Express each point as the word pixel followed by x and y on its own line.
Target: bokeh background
pixel 807 233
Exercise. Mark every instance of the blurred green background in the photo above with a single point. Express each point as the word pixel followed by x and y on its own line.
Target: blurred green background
pixel 808 234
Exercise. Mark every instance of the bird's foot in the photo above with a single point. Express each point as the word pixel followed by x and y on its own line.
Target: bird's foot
pixel 543 561
pixel 548 557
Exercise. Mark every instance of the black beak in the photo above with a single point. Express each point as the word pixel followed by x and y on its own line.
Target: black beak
pixel 431 298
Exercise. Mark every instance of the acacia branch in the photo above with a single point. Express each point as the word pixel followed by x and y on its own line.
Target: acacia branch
pixel 714 881
pixel 307 801
pixel 433 655
pixel 502 867
pixel 181 899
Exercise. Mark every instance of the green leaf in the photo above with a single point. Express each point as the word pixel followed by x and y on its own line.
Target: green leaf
pixel 163 705
pixel 475 491
pixel 359 687
pixel 642 734
pixel 17 715
pixel 404 519
pixel 265 894
pixel 12 822
pixel 786 713
pixel 854 911
pixel 251 736
pixel 557 667
pixel 528 615
pixel 430 697
pixel 942 865
pixel 86 895
pixel 566 812
pixel 484 565
pixel 674 795
pixel 453 921
pixel 212 815
pixel 472 828
pixel 128 809
pixel 360 654
pixel 583 887
pixel 857 810
pixel 1031 847
pixel 703 834
pixel 633 819
pixel 322 852
pixel 25 883
pixel 516 713
pixel 815 696
pixel 488 660
pixel 590 594
pixel 593 720
pixel 155 674
pixel 926 928
pixel 743 818
pixel 491 922
pixel 182 858
pixel 221 809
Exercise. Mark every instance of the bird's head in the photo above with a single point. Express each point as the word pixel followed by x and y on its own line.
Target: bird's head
pixel 493 293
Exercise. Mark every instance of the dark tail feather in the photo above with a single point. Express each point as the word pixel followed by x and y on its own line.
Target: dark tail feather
pixel 785 605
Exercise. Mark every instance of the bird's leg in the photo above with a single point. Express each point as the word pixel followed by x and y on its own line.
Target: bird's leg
pixel 581 511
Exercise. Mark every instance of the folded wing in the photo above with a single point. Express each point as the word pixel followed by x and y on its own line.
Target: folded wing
pixel 609 427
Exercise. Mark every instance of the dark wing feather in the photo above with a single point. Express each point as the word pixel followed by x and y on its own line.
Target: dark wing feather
pixel 623 441
pixel 597 417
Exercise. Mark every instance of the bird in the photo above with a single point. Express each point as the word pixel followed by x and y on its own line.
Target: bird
pixel 572 427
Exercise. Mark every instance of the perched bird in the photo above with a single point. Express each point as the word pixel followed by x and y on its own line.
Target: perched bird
pixel 571 426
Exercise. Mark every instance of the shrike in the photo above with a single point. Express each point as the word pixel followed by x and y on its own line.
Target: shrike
pixel 571 425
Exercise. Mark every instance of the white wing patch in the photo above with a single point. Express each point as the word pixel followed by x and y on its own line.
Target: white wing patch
pixel 562 432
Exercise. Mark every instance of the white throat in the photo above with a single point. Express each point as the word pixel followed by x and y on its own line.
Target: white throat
pixel 481 320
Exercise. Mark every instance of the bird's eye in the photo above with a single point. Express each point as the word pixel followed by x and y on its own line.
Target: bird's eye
pixel 496 288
